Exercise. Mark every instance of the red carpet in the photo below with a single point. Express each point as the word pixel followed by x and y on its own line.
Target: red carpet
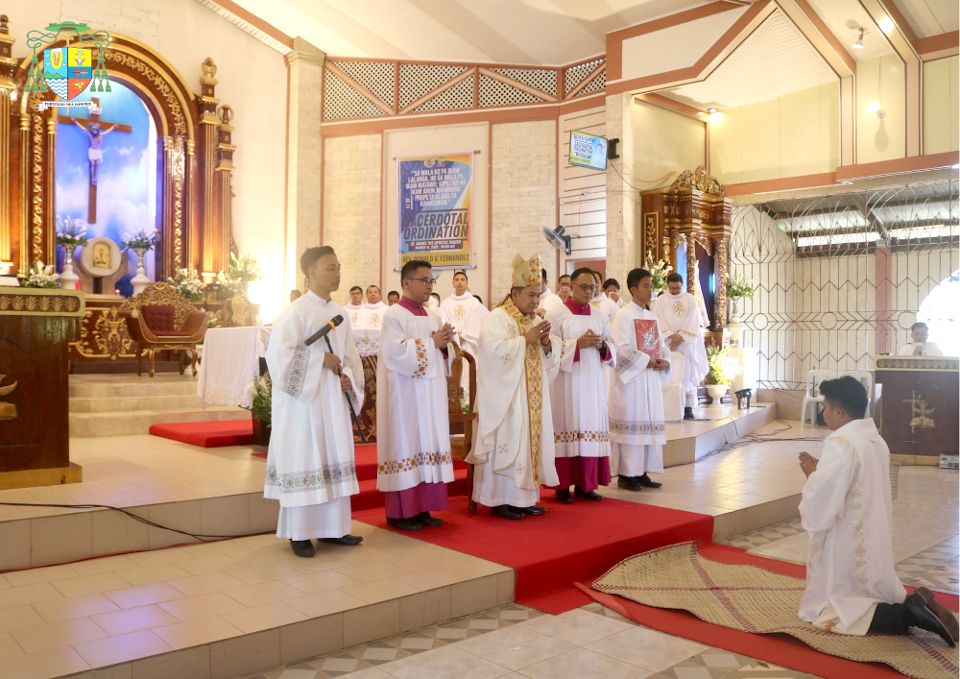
pixel 571 542
pixel 207 434
pixel 778 649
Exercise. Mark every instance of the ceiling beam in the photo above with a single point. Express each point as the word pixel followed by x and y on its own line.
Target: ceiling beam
pixel 939 46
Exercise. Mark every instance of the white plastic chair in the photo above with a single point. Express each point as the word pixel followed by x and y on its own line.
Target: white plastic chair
pixel 812 395
pixel 673 390
pixel 865 377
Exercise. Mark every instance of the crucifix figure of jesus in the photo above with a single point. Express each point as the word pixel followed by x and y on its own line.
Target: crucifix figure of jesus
pixel 95 129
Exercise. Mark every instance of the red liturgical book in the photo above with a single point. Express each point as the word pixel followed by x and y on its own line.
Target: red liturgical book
pixel 648 337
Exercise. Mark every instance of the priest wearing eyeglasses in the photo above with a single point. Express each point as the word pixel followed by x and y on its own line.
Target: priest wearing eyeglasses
pixel 415 463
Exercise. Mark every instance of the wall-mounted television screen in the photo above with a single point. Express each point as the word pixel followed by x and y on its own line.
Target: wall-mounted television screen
pixel 588 150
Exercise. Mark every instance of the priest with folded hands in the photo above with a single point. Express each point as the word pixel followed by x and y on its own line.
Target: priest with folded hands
pixel 514 449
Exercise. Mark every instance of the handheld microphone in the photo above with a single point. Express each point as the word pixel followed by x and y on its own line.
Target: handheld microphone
pixel 322 332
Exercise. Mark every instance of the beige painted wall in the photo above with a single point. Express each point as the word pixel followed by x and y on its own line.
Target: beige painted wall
pixel 583 191
pixel 881 137
pixel 940 119
pixel 797 134
pixel 253 81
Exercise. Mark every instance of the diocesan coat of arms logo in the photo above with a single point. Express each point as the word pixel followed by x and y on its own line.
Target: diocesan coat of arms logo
pixel 70 70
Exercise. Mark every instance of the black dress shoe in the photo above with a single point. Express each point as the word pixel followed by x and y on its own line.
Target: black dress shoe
pixel 629 483
pixel 948 619
pixel 563 495
pixel 507 512
pixel 592 495
pixel 428 520
pixel 688 413
pixel 303 548
pixel 647 482
pixel 532 510
pixel 350 540
pixel 405 524
pixel 924 618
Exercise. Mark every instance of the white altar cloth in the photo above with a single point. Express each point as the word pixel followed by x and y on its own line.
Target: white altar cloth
pixel 230 364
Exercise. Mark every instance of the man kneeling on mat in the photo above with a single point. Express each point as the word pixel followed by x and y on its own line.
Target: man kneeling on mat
pixel 852 587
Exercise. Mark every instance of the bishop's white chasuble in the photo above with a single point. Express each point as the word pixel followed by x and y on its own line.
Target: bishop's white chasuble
pixel 514 446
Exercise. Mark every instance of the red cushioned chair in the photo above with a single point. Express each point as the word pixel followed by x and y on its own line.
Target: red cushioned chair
pixel 159 319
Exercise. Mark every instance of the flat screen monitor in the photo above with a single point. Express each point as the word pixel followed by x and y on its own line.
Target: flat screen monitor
pixel 588 150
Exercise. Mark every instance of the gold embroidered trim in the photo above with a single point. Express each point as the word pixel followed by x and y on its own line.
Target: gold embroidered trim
pixel 421 358
pixel 408 464
pixel 588 436
pixel 532 368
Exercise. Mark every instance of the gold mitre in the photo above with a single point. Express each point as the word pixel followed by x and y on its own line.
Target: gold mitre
pixel 526 272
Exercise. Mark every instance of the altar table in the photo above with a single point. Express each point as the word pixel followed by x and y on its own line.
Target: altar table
pixel 230 364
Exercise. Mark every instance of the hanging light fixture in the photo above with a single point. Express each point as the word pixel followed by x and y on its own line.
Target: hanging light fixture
pixel 858 44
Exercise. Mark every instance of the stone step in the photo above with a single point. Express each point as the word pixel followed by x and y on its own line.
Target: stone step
pixel 132 386
pixel 124 404
pixel 88 425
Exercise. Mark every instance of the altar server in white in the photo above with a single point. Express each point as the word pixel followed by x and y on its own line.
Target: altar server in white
pixel 578 394
pixel 600 301
pixel 514 448
pixel 355 307
pixel 549 300
pixel 845 507
pixel 679 318
pixel 310 461
pixel 465 313
pixel 413 426
pixel 637 429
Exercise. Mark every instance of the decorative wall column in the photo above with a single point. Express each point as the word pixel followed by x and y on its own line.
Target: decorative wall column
pixel 304 155
pixel 211 256
pixel 225 149
pixel 8 89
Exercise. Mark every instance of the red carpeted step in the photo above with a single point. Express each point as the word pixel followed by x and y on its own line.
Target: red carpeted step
pixel 570 543
pixel 207 434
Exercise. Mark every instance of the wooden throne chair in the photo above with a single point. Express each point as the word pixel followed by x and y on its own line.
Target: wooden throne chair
pixel 160 319
pixel 462 423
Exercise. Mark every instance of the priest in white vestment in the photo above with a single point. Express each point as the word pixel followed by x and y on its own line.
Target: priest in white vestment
pixel 637 428
pixel 513 452
pixel 355 306
pixel 578 395
pixel 600 301
pixel 310 461
pixel 846 509
pixel 366 334
pixel 465 313
pixel 679 316
pixel 415 463
pixel 918 345
pixel 549 300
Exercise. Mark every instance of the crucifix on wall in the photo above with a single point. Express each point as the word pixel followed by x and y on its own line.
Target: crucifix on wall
pixel 94 128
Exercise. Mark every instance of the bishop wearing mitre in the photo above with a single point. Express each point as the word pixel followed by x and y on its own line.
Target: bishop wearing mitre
pixel 679 316
pixel 310 461
pixel 637 429
pixel 415 462
pixel 514 447
pixel 578 395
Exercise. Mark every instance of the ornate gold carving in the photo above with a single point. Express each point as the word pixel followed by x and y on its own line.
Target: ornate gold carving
pixel 721 300
pixel 8 411
pixel 162 87
pixel 162 293
pixel 651 224
pixel 700 180
pixel 39 302
pixel 177 164
pixel 36 198
pixel 921 417
pixel 103 334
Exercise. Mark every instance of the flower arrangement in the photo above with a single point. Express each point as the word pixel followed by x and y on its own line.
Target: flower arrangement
pixel 262 399
pixel 140 241
pixel 71 233
pixel 188 284
pixel 659 271
pixel 40 276
pixel 238 275
pixel 739 288
pixel 723 367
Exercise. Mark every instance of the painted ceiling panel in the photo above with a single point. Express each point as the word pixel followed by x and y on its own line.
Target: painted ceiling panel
pixel 675 47
pixel 775 60
pixel 843 17
pixel 930 17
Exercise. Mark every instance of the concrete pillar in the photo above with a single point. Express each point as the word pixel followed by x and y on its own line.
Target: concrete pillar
pixel 304 155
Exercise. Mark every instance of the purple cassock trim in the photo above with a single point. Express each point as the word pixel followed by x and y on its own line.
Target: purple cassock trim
pixel 425 497
pixel 585 472
pixel 412 307
pixel 583 310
